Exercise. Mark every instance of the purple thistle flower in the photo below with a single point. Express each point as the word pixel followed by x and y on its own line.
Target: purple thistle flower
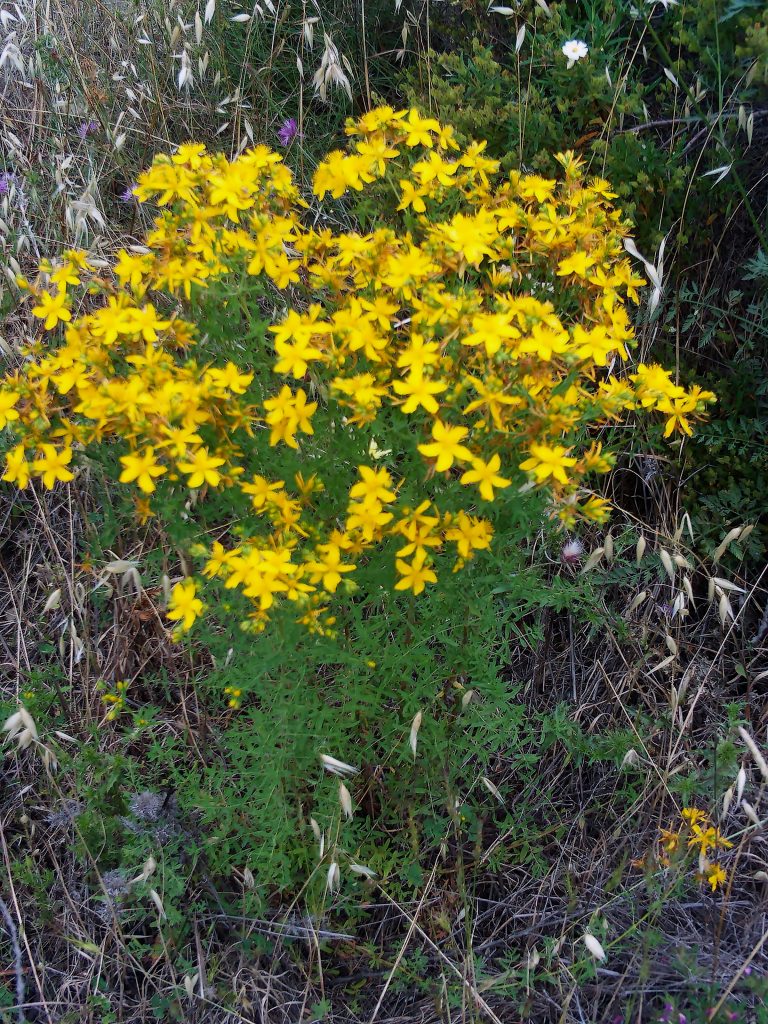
pixel 87 128
pixel 288 132
pixel 572 552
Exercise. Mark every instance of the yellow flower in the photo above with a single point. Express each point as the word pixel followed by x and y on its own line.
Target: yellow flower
pixel 64 275
pixel 167 182
pixel 338 172
pixel 261 490
pixel 141 467
pixel 578 263
pixel 378 151
pixel 190 153
pixel 52 309
pixel 328 567
pixel 201 468
pixel 716 876
pixel 653 384
pixel 601 188
pixel 184 606
pixel 132 269
pixel 470 236
pixel 287 413
pixel 546 462
pixel 294 359
pixel 596 509
pixel 693 815
pixel 445 448
pixel 486 476
pixel 8 400
pixel 469 534
pixel 417 129
pixel 230 378
pixel 492 330
pixel 670 840
pixel 411 196
pixel 17 469
pixel 708 838
pixel 147 323
pixel 220 559
pixel 434 169
pixel 677 410
pixel 594 461
pixel 367 516
pixel 374 484
pixel 53 465
pixel 415 574
pixel 419 391
pixel 532 186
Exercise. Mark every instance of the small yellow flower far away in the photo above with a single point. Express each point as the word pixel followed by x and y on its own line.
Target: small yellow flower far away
pixel 716 876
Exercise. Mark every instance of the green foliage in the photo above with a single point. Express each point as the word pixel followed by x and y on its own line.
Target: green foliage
pixel 617 107
pixel 249 801
pixel 530 108
pixel 726 464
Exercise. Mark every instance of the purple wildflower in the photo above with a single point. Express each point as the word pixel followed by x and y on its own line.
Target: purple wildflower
pixel 288 132
pixel 127 195
pixel 6 180
pixel 87 128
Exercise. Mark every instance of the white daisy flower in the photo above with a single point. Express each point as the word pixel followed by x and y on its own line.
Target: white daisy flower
pixel 574 50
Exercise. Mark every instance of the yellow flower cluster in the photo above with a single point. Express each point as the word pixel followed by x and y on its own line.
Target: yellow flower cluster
pixel 696 832
pixel 115 700
pixel 493 325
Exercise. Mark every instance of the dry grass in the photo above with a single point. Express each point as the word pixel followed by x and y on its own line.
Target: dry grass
pixel 483 916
